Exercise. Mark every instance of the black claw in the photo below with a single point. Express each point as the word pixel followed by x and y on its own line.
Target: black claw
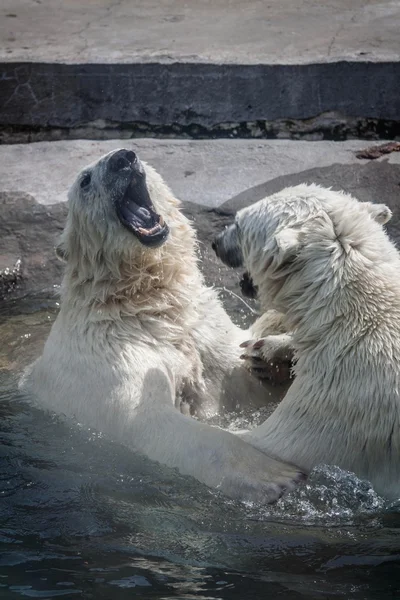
pixel 259 344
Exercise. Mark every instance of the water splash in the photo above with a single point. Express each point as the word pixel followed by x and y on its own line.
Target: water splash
pixel 331 496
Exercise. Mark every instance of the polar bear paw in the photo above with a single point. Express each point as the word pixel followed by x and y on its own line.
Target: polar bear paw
pixel 270 358
pixel 275 480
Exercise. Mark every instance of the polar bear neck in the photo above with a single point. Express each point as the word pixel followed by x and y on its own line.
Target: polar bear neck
pixel 138 282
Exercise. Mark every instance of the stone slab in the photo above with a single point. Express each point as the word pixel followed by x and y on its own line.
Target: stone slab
pixel 193 66
pixel 208 31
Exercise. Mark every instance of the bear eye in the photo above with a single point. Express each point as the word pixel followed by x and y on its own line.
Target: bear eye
pixel 86 180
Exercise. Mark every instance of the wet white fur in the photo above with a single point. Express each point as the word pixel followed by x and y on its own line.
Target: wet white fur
pixel 137 332
pixel 324 260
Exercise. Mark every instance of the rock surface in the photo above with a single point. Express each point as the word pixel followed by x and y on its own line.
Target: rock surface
pixel 204 172
pixel 28 233
pixel 370 182
pixel 373 182
pixel 29 227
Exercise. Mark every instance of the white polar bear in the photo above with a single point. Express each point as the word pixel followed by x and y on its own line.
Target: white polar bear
pixel 138 333
pixel 324 260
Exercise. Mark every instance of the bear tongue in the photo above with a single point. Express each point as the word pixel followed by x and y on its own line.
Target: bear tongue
pixel 138 214
pixel 145 216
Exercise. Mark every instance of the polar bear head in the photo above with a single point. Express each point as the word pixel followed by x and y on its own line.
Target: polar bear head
pixel 278 236
pixel 124 228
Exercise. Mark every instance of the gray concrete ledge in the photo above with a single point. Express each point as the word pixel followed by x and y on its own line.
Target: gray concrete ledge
pixel 182 94
pixel 243 32
pixel 209 68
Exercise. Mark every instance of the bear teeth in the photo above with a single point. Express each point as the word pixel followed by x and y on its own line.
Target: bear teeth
pixel 144 231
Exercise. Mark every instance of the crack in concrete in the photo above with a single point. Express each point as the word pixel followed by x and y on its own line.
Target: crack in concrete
pixel 4 77
pixel 80 33
pixel 333 40
pixel 340 30
pixel 20 86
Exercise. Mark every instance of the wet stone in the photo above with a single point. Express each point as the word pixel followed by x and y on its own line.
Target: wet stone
pixel 28 233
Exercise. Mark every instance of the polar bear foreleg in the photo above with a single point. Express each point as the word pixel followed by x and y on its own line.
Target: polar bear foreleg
pixel 211 455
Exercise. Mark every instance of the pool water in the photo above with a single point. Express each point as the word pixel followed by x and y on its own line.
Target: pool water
pixel 83 517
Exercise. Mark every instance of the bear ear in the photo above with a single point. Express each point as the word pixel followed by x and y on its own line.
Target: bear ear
pixel 379 212
pixel 288 244
pixel 61 252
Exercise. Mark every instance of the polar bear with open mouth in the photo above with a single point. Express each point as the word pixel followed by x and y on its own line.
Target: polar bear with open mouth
pixel 138 333
pixel 323 259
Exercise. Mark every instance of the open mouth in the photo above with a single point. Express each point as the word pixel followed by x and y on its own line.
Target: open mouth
pixel 136 212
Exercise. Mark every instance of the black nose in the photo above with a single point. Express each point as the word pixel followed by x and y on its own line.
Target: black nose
pixel 123 159
pixel 247 286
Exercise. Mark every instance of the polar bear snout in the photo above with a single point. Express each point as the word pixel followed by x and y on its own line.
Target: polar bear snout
pixel 126 179
pixel 123 160
pixel 247 287
pixel 227 247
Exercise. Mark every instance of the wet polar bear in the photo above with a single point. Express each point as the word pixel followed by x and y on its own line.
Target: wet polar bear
pixel 324 260
pixel 138 332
